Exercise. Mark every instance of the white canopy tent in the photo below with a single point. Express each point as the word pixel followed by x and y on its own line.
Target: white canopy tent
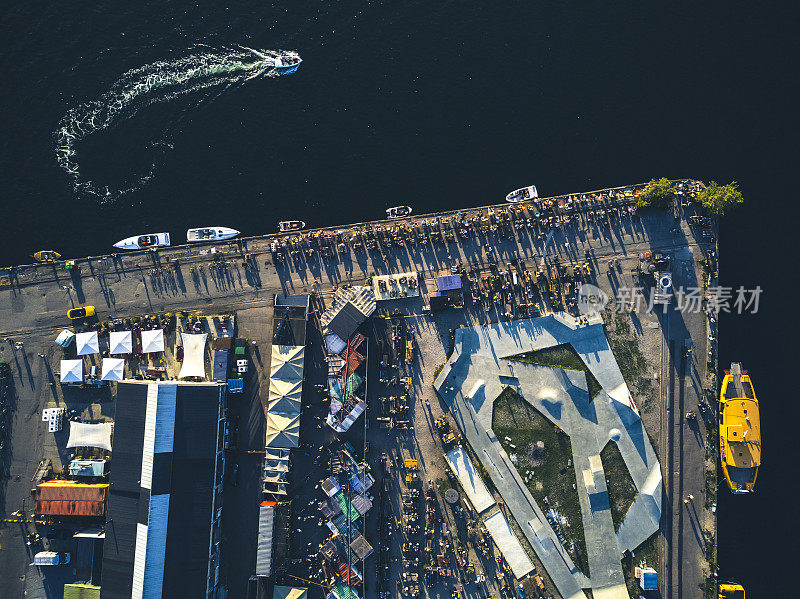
pixel 287 362
pixel 83 434
pixel 65 338
pixel 283 430
pixel 153 341
pixel 87 343
pixel 120 342
pixel 71 371
pixel 284 396
pixel 194 356
pixel 113 369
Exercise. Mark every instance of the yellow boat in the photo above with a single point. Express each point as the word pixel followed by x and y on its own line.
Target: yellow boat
pixel 739 430
pixel 730 590
pixel 47 256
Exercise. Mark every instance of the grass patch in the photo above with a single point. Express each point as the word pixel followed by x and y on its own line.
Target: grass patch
pixel 621 490
pixel 709 549
pixel 626 349
pixel 647 552
pixel 548 471
pixel 560 356
pixel 711 488
pixel 442 484
pixel 438 371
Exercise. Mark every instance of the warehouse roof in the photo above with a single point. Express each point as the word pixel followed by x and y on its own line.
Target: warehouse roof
pixel 161 489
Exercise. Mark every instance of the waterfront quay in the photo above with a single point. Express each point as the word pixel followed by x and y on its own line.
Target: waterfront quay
pixel 597 234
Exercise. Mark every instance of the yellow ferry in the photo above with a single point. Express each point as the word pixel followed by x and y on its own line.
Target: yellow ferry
pixel 730 590
pixel 739 430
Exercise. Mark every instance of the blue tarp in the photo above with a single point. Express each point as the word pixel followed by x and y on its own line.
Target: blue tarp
pixel 235 385
pixel 221 365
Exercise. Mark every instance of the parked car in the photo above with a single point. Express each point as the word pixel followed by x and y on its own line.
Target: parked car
pixel 80 313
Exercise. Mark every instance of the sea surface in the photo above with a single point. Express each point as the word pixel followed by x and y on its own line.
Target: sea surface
pixel 122 118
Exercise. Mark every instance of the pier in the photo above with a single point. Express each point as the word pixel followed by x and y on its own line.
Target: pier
pixel 599 232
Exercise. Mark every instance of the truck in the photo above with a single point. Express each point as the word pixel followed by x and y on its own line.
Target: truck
pixel 51 558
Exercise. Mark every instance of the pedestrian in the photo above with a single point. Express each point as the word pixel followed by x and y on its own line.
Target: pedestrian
pixel 686 501
pixel 691 497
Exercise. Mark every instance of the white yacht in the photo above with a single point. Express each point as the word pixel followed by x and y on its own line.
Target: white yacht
pixel 210 234
pixel 398 211
pixel 286 226
pixel 523 194
pixel 143 242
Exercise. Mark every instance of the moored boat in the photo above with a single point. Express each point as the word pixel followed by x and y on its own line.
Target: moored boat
pixel 210 234
pixel 739 430
pixel 143 242
pixel 47 256
pixel 286 226
pixel 523 194
pixel 730 590
pixel 398 211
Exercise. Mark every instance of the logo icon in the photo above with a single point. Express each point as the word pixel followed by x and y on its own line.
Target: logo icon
pixel 591 299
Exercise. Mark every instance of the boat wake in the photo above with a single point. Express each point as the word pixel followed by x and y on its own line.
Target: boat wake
pixel 164 81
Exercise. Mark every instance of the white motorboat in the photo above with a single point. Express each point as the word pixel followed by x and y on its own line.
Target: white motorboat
pixel 143 242
pixel 210 234
pixel 398 211
pixel 522 195
pixel 285 226
pixel 288 62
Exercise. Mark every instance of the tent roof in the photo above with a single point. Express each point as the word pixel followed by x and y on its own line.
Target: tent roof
pixel 120 342
pixel 113 369
pixel 287 362
pixel 65 338
pixel 290 593
pixel 71 371
pixel 87 343
pixel 87 467
pixel 449 282
pixel 283 430
pixel 83 434
pixel 266 520
pixel 153 341
pixel 194 355
pixel 284 397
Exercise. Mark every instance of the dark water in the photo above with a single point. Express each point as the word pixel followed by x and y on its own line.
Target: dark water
pixel 437 105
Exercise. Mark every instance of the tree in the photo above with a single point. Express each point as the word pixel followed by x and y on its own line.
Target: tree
pixel 719 199
pixel 657 194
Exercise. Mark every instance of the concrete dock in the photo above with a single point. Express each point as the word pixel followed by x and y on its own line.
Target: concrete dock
pixel 243 275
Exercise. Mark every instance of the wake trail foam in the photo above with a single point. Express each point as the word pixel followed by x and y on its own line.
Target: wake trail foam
pixel 160 82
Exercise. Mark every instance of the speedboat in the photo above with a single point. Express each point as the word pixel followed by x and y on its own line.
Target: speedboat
pixel 47 256
pixel 143 242
pixel 288 62
pixel 210 234
pixel 286 226
pixel 398 211
pixel 523 194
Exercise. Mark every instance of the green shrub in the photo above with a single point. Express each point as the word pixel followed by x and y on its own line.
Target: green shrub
pixel 657 194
